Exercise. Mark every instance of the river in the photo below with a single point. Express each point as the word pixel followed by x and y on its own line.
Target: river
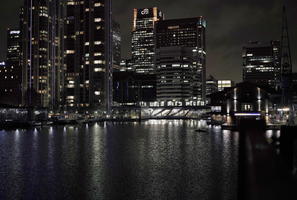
pixel 153 160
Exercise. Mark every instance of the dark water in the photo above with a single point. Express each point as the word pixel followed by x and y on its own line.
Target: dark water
pixel 156 160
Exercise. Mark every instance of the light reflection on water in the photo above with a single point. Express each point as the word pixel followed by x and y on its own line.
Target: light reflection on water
pixel 272 133
pixel 157 159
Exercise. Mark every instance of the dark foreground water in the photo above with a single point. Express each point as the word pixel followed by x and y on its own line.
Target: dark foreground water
pixel 156 160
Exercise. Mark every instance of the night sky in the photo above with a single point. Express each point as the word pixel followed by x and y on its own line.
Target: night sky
pixel 229 26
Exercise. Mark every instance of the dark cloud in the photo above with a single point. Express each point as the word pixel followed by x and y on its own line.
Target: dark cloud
pixel 231 24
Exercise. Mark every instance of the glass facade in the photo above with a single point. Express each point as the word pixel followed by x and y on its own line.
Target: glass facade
pixel 143 39
pixel 11 71
pixel 181 60
pixel 41 52
pixel 211 85
pixel 261 64
pixel 85 54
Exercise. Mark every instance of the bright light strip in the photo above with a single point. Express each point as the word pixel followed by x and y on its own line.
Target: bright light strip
pixel 247 114
pixel 283 109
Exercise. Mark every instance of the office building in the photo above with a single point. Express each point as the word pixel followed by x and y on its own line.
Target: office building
pixel 211 85
pixel 180 60
pixel 3 81
pixel 88 54
pixel 41 25
pixel 143 39
pixel 261 64
pixel 132 88
pixel 11 70
pixel 224 84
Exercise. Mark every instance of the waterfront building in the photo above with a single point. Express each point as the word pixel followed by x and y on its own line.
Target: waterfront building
pixel 130 88
pixel 11 70
pixel 223 84
pixel 41 26
pixel 88 54
pixel 3 77
pixel 243 100
pixel 143 39
pixel 261 64
pixel 123 90
pixel 181 60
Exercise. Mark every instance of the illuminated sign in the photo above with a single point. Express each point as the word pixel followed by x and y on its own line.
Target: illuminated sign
pixel 145 11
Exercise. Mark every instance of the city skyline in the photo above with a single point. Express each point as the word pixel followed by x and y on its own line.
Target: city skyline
pixel 227 30
pixel 114 99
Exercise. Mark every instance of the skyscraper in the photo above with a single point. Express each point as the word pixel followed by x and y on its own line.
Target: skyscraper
pixel 41 22
pixel 143 39
pixel 11 71
pixel 261 64
pixel 88 55
pixel 181 60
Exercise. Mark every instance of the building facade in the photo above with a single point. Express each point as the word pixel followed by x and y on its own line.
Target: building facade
pixel 211 85
pixel 143 39
pixel 243 100
pixel 41 25
pixel 223 84
pixel 181 60
pixel 261 64
pixel 132 88
pixel 11 70
pixel 88 54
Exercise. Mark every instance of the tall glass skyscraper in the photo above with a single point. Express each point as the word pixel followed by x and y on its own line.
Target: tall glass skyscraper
pixel 181 60
pixel 88 55
pixel 143 39
pixel 68 54
pixel 41 25
pixel 11 71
